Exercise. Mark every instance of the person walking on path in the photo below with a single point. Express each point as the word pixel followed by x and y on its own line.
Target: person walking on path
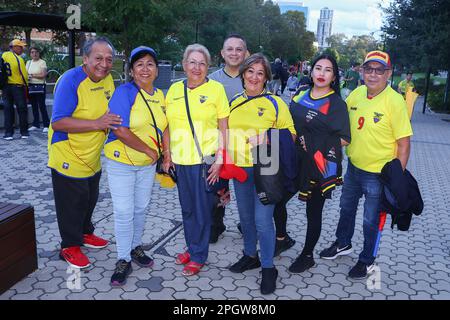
pixel 37 72
pixel 380 131
pixel 407 84
pixel 77 133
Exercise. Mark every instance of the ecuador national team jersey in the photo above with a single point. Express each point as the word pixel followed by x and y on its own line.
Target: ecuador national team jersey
pixel 77 155
pixel 207 104
pixel 16 73
pixel 129 104
pixel 405 86
pixel 376 124
pixel 253 118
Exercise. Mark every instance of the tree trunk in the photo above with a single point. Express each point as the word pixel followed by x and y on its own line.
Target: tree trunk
pixel 427 87
pixel 28 36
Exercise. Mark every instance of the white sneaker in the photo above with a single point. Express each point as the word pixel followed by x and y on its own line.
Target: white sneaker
pixel 24 137
pixel 8 138
pixel 45 130
pixel 32 128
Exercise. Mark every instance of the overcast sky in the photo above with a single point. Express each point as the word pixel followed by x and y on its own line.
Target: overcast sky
pixel 351 17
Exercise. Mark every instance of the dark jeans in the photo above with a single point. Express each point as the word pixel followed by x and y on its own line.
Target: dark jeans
pixel 38 104
pixel 196 207
pixel 75 201
pixel 15 95
pixel 357 183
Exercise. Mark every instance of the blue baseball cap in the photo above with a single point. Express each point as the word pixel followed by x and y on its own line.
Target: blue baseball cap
pixel 141 49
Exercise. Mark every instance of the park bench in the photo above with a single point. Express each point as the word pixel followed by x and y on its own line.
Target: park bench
pixel 18 256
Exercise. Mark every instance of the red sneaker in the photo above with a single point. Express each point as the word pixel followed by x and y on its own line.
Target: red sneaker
pixel 92 241
pixel 74 257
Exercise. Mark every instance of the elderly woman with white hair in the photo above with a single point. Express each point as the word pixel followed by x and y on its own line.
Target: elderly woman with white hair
pixel 197 112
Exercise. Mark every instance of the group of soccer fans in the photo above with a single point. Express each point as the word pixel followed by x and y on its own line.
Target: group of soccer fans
pixel 223 117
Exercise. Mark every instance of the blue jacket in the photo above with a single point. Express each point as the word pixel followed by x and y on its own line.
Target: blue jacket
pixel 401 196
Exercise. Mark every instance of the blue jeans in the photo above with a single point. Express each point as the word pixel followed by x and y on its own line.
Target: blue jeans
pixel 130 188
pixel 196 207
pixel 357 183
pixel 256 221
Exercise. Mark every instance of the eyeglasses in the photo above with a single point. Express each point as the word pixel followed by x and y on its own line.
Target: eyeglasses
pixel 378 71
pixel 193 64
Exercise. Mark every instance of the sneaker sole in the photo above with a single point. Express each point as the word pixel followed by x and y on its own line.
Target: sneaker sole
pixel 121 284
pixel 94 247
pixel 341 253
pixel 73 265
pixel 143 265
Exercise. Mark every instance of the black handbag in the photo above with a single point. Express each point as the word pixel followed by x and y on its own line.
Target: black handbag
pixel 36 88
pixel 269 186
pixel 206 161
pixel 160 160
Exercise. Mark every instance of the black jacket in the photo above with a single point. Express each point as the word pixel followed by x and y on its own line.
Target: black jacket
pixel 401 196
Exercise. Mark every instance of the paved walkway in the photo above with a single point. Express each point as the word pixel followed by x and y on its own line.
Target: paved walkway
pixel 412 265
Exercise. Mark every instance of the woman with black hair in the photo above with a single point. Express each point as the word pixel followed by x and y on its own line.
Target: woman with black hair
pixel 322 124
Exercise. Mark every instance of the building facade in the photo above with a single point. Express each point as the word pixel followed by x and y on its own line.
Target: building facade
pixel 324 27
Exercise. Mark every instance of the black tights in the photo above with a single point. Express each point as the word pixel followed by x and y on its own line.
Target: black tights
pixel 314 208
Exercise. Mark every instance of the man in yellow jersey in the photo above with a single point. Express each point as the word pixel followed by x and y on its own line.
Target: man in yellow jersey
pixel 78 130
pixel 380 131
pixel 14 93
pixel 406 85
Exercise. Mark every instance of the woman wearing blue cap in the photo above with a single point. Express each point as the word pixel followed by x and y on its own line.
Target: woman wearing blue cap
pixel 132 150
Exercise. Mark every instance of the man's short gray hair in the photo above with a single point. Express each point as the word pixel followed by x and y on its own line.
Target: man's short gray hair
pixel 87 48
pixel 197 48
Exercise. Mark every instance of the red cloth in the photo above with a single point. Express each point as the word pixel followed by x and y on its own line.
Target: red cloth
pixel 230 171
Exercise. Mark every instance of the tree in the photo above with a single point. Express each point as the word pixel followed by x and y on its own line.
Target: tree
pixel 418 35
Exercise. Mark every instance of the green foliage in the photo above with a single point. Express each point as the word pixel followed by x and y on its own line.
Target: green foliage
pixel 436 99
pixel 352 50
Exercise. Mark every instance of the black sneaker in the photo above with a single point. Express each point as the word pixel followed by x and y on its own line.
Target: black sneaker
pixel 283 245
pixel 140 258
pixel 245 263
pixel 334 251
pixel 123 269
pixel 302 263
pixel 215 233
pixel 360 270
pixel 269 280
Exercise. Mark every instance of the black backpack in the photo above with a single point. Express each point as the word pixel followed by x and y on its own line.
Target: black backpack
pixel 3 74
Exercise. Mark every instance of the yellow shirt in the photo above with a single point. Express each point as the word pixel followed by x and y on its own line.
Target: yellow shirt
pixel 16 75
pixel 207 104
pixel 376 124
pixel 251 119
pixel 405 86
pixel 77 155
pixel 128 103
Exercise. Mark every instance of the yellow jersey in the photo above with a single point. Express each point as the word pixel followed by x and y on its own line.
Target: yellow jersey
pixel 77 155
pixel 129 104
pixel 376 124
pixel 15 68
pixel 207 104
pixel 253 118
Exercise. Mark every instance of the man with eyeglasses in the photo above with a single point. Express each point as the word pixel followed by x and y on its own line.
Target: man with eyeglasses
pixel 380 131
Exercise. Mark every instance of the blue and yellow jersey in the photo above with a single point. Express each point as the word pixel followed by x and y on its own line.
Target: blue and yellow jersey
pixel 253 118
pixel 376 124
pixel 129 104
pixel 207 104
pixel 77 155
pixel 15 68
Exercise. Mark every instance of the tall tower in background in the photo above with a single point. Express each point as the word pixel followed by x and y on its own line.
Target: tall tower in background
pixel 324 27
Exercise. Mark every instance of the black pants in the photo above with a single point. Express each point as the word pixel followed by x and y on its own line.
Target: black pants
pixel 218 214
pixel 280 216
pixel 75 201
pixel 314 208
pixel 15 95
pixel 38 105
